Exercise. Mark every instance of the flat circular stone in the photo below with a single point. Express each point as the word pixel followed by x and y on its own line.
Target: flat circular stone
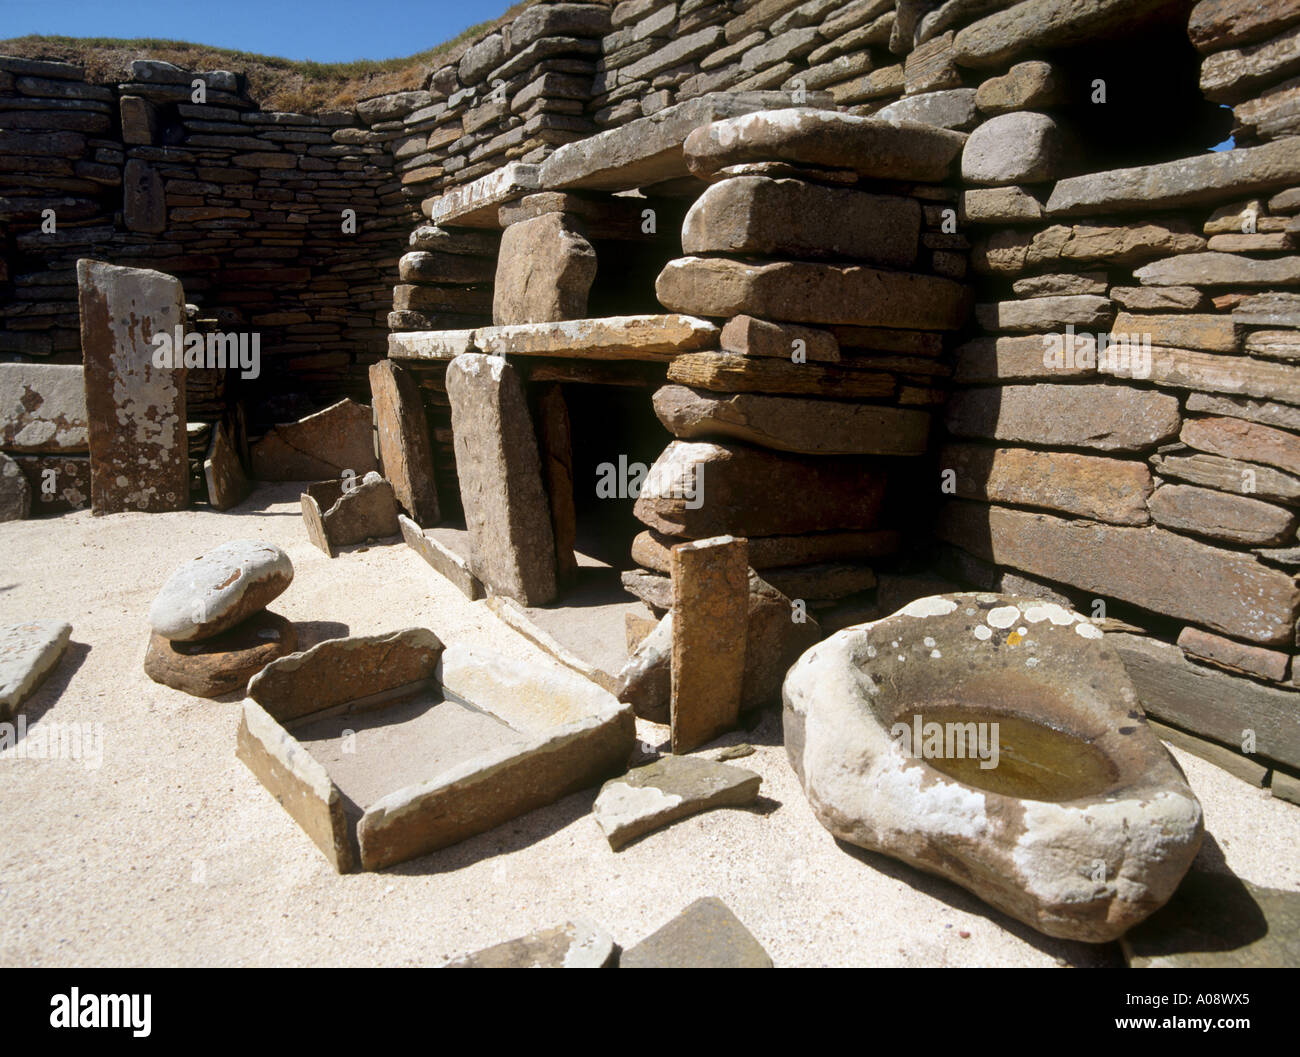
pixel 217 590
pixel 222 664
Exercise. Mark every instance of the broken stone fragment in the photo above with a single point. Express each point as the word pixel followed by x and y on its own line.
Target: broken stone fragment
pixel 223 473
pixel 578 944
pixel 673 787
pixel 321 446
pixel 706 935
pixel 341 513
pixel 224 663
pixel 28 653
pixel 218 589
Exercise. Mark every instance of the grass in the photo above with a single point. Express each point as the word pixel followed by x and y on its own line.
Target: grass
pixel 276 83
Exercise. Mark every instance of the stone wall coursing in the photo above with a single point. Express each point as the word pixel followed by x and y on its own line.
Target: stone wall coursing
pixel 244 206
pixel 1125 407
pixel 1169 498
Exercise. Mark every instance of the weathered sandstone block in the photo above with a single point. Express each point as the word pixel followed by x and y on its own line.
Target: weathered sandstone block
pixel 698 489
pixel 1238 519
pixel 544 272
pixel 1112 490
pixel 1106 417
pixel 803 292
pixel 42 408
pixel 789 218
pixel 879 149
pixel 826 427
pixel 1019 148
pixel 405 450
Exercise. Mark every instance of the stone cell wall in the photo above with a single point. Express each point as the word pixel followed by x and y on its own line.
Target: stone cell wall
pixel 244 206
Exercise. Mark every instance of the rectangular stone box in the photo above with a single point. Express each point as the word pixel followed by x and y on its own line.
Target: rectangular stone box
pixel 385 748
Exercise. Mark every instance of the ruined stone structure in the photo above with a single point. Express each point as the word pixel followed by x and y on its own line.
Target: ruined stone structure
pixel 866 262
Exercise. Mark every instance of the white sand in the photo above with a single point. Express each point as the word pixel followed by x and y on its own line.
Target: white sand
pixel 173 853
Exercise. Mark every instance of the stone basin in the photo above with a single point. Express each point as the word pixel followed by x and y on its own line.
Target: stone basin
pixel 996 741
pixel 387 747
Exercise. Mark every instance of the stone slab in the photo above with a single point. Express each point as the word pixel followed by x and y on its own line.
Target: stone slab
pixel 1111 490
pixel 476 204
pixel 673 787
pixel 1104 417
pixel 329 444
pixel 760 217
pixel 499 470
pixel 28 654
pixel 698 489
pixel 706 935
pixel 223 473
pixel 649 338
pixel 885 150
pixel 648 150
pixel 446 559
pixel 806 292
pixel 710 611
pixel 135 409
pixel 405 449
pixel 795 424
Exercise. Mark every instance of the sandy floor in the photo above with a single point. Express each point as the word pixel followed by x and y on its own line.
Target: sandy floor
pixel 171 852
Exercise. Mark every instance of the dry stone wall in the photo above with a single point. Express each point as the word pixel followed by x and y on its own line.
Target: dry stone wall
pixel 246 207
pixel 1158 495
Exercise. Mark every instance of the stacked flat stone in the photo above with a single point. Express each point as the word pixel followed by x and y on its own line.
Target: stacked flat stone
pixel 810 247
pixel 210 630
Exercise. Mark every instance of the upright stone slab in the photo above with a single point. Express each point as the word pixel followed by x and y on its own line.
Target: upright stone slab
pixel 544 272
pixel 500 474
pixel 405 450
pixel 139 456
pixel 710 614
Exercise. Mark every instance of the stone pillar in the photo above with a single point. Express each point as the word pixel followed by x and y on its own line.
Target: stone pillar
pixel 710 610
pixel 139 454
pixel 500 472
pixel 404 447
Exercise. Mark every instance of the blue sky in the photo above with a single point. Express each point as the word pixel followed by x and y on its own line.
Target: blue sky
pixel 324 30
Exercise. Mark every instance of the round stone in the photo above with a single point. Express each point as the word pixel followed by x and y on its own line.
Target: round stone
pixel 222 664
pixel 219 589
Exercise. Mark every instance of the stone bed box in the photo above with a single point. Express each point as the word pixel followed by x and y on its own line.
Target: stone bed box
pixel 384 748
